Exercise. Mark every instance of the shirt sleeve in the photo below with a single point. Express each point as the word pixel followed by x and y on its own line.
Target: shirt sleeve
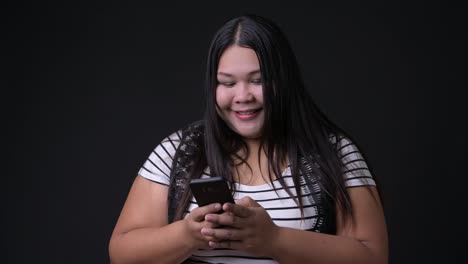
pixel 158 166
pixel 355 169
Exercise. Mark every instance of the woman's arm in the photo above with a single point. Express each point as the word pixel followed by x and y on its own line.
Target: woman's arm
pixel 143 235
pixel 363 239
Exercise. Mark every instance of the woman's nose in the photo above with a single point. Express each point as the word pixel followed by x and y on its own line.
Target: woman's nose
pixel 243 93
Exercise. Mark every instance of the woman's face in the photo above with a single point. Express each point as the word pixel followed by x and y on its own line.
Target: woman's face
pixel 239 91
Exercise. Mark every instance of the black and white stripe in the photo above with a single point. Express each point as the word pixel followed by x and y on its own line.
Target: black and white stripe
pixel 280 206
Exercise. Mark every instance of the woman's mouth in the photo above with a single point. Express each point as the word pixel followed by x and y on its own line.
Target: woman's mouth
pixel 247 114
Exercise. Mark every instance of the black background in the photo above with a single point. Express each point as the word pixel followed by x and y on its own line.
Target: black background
pixel 91 89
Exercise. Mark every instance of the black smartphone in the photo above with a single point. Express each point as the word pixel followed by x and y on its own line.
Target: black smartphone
pixel 211 190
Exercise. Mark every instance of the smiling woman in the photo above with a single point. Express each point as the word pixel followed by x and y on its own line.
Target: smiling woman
pixel 303 191
pixel 239 94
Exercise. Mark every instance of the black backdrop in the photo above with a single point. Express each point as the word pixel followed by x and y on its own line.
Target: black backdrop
pixel 91 89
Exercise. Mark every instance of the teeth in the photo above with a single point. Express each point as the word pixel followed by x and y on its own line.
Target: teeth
pixel 247 112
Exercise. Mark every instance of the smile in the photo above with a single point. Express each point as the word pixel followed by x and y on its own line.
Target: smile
pixel 247 114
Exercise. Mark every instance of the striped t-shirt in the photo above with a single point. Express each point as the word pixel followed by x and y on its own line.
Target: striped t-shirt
pixel 280 206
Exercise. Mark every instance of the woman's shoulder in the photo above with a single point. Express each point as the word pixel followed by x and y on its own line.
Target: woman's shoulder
pixel 158 165
pixel 342 143
pixel 187 132
pixel 356 171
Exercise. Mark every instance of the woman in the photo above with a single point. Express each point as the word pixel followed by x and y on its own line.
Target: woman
pixel 290 169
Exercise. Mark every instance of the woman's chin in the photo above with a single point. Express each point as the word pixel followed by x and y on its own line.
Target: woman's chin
pixel 254 135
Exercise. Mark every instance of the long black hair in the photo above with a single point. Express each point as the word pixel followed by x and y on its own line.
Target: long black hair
pixel 294 126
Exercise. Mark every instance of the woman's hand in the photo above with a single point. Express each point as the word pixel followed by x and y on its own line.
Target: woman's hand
pixel 195 222
pixel 246 226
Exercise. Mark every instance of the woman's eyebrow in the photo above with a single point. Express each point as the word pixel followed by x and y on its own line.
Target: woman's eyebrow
pixel 225 74
pixel 254 72
pixel 231 75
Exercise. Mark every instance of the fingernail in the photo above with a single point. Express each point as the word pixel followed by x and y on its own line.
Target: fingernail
pixel 217 206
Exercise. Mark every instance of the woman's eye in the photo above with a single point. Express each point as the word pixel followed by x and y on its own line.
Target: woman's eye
pixel 257 81
pixel 228 84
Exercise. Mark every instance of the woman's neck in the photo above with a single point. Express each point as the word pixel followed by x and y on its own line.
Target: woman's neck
pixel 254 171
